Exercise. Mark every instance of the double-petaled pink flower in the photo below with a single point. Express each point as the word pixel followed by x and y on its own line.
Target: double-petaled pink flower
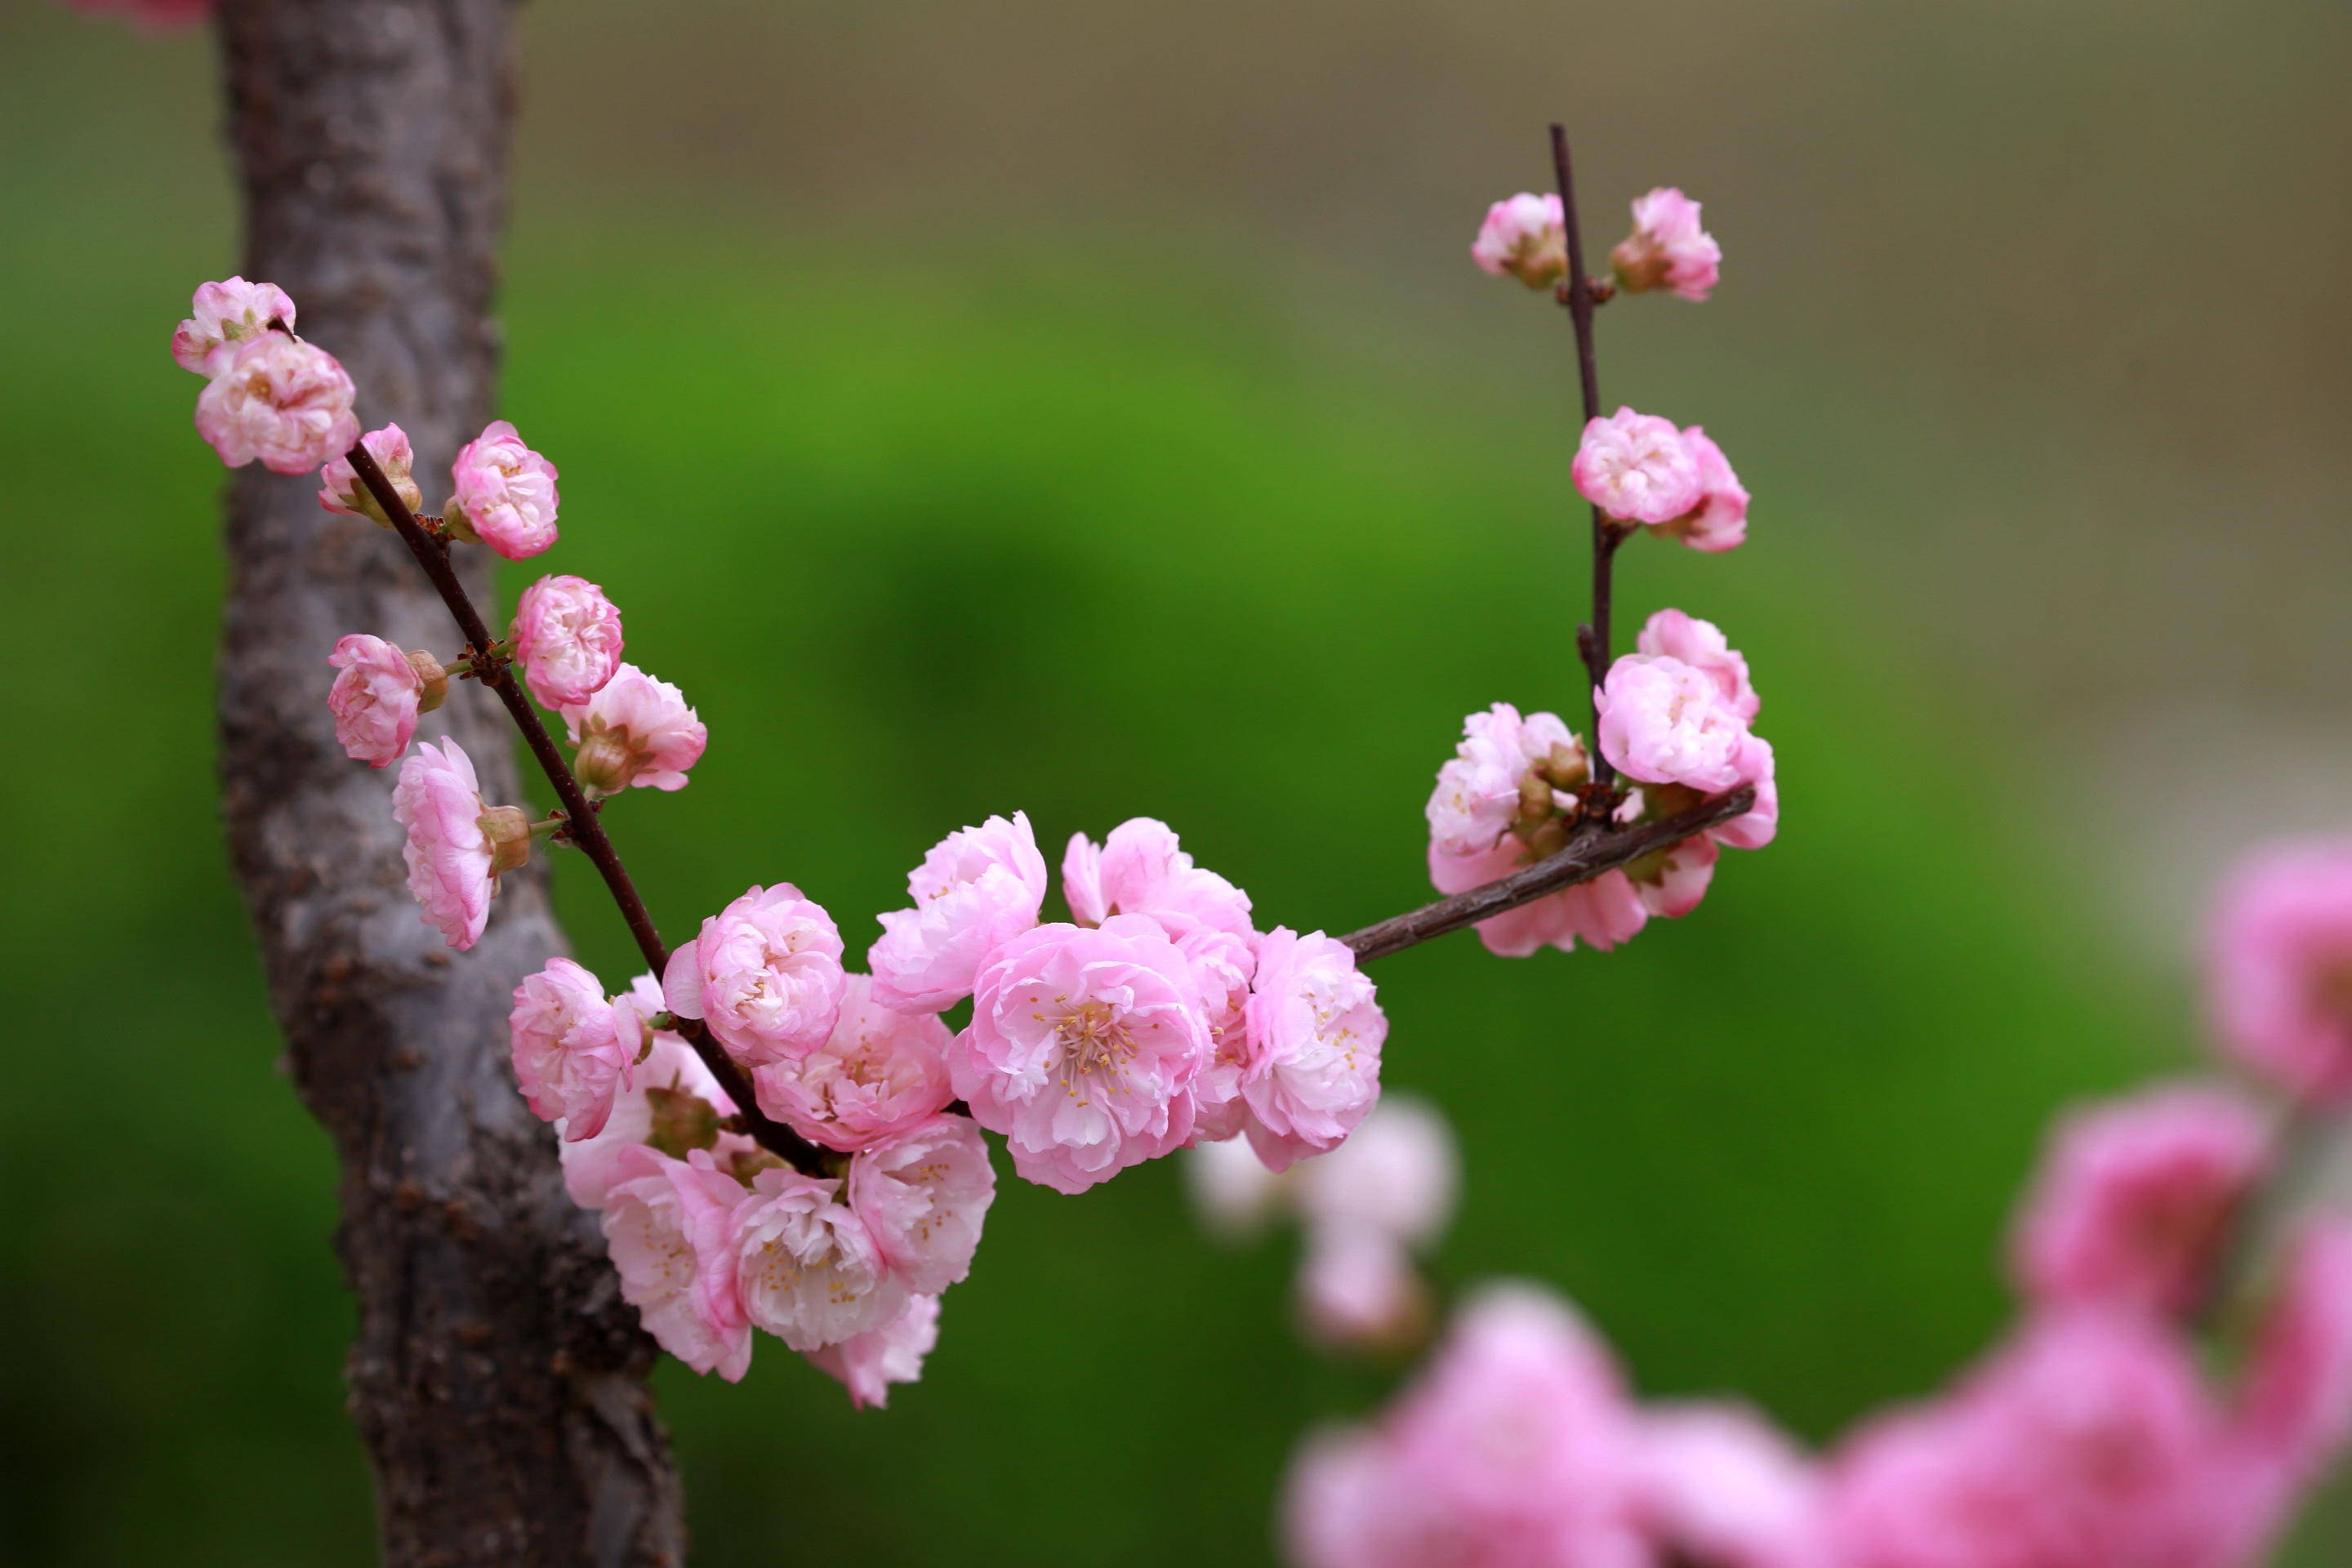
pixel 978 889
pixel 567 637
pixel 449 853
pixel 879 1073
pixel 670 1228
pixel 378 692
pixel 224 315
pixel 1524 238
pixel 764 973
pixel 340 488
pixel 1701 644
pixel 1662 721
pixel 283 401
pixel 1636 467
pixel 868 1363
pixel 1667 248
pixel 669 1089
pixel 1717 519
pixel 806 1268
pixel 505 494
pixel 1484 790
pixel 922 1195
pixel 571 1047
pixel 636 731
pixel 2278 966
pixel 1142 868
pixel 1315 1034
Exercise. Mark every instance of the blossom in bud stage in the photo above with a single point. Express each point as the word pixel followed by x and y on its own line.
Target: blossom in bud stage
pixel 1702 646
pixel 568 1053
pixel 567 635
pixel 505 494
pixel 378 694
pixel 2135 1197
pixel 439 802
pixel 978 889
pixel 1601 912
pixel 340 488
pixel 1524 238
pixel 806 1268
pixel 1718 520
pixel 282 400
pixel 1315 1034
pixel 879 1073
pixel 1358 1290
pixel 868 1363
pixel 1082 1050
pixel 224 316
pixel 1637 467
pixel 1397 1174
pixel 1718 1485
pixel 634 731
pixel 1222 966
pixel 659 1097
pixel 1484 791
pixel 1667 248
pixel 1140 869
pixel 1662 721
pixel 2297 1409
pixel 670 1227
pixel 764 973
pixel 1232 1192
pixel 922 1195
pixel 2278 965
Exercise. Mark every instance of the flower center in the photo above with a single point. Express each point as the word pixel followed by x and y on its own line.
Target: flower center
pixel 1094 1041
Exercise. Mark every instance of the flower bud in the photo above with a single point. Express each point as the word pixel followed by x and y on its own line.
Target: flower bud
pixel 1568 767
pixel 508 828
pixel 1524 238
pixel 506 495
pixel 436 678
pixel 1667 248
pixel 603 766
pixel 340 488
pixel 682 1121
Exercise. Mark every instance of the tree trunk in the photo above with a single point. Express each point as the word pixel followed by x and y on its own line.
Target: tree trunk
pixel 498 1380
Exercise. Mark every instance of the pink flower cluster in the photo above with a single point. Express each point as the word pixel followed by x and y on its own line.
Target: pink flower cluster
pixel 714 1238
pixel 1667 248
pixel 1640 469
pixel 1675 720
pixel 268 394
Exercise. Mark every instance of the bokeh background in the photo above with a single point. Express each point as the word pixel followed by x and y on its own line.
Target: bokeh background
pixel 1092 409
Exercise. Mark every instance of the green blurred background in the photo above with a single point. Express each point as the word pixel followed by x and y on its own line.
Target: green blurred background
pixel 1092 409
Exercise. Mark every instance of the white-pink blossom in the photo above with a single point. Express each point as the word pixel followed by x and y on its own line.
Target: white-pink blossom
pixel 1232 1192
pixel 340 488
pixel 1314 1036
pixel 1718 520
pixel 2278 965
pixel 1667 248
pixel 1718 1484
pixel 1662 721
pixel 1141 870
pixel 879 1073
pixel 1636 467
pixel 1358 1290
pixel 569 1056
pixel 669 1226
pixel 1601 912
pixel 1702 646
pixel 1082 1050
pixel 922 1195
pixel 868 1363
pixel 439 801
pixel 977 889
pixel 505 496
pixel 1525 237
pixel 635 730
pixel 764 973
pixel 1399 1173
pixel 1483 790
pixel 226 315
pixel 567 637
pixel 1222 964
pixel 284 401
pixel 807 1269
pixel 376 697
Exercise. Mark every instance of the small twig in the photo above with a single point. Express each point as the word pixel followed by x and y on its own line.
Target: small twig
pixel 2299 1147
pixel 1590 856
pixel 1578 295
pixel 587 833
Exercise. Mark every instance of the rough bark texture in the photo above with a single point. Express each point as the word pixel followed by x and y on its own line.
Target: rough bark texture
pixel 498 1380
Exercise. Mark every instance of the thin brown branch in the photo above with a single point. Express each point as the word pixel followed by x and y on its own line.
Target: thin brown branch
pixel 1592 637
pixel 585 832
pixel 1588 857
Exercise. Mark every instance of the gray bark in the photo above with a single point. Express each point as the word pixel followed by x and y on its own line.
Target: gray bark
pixel 498 1380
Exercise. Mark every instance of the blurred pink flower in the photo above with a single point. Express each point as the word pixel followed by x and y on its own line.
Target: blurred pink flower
pixel 978 889
pixel 879 1073
pixel 1667 248
pixel 1479 793
pixel 227 313
pixel 2136 1196
pixel 2296 1410
pixel 1637 467
pixel 439 802
pixel 567 635
pixel 1719 1485
pixel 764 973
pixel 1141 870
pixel 1718 520
pixel 282 400
pixel 1082 1050
pixel 923 1193
pixel 1358 1290
pixel 1602 912
pixel 1525 237
pixel 506 494
pixel 669 1226
pixel 635 730
pixel 1702 646
pixel 2278 952
pixel 1315 1034
pixel 1397 1174
pixel 807 1268
pixel 1662 721
pixel 868 1363
pixel 569 1056
pixel 375 699
pixel 338 483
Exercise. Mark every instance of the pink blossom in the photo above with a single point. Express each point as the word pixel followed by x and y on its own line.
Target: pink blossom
pixel 1314 1036
pixel 1662 721
pixel 1141 870
pixel 1717 519
pixel 1702 646
pixel 340 488
pixel 1636 467
pixel 1670 882
pixel 1524 238
pixel 225 314
pixel 1718 1485
pixel 1482 793
pixel 669 1226
pixel 1754 828
pixel 376 698
pixel 1232 1192
pixel 1082 1050
pixel 1667 248
pixel 2278 965
pixel 635 731
pixel 282 400
pixel 977 889
pixel 868 1363
pixel 2298 1401
pixel 1602 912
pixel 569 1056
pixel 1357 1290
pixel 922 1195
pixel 439 802
pixel 1222 966
pixel 765 974
pixel 505 494
pixel 1397 1174
pixel 2134 1196
pixel 879 1073
pixel 670 1079
pixel 568 636
pixel 807 1269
